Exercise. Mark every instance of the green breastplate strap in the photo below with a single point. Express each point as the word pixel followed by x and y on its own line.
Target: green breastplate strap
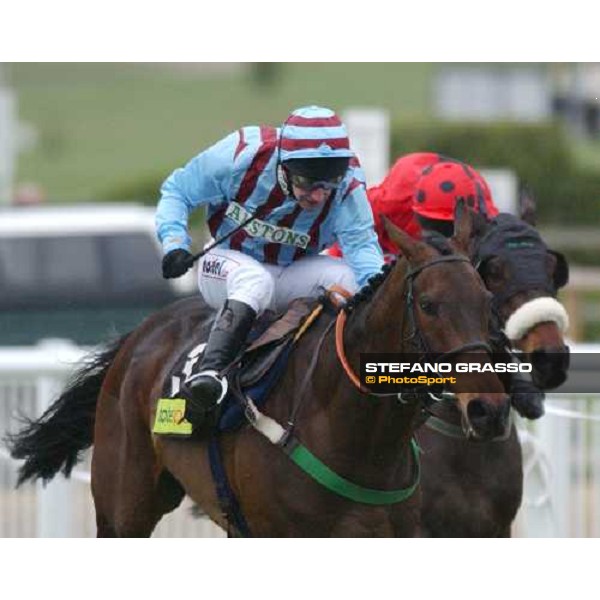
pixel 320 472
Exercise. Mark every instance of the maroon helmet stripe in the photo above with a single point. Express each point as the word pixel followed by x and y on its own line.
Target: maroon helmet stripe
pixel 335 143
pixel 272 250
pixel 298 121
pixel 314 230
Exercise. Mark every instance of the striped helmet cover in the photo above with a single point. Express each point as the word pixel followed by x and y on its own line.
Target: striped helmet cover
pixel 314 132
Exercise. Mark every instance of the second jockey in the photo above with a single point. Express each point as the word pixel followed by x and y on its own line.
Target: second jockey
pixel 419 193
pixel 276 197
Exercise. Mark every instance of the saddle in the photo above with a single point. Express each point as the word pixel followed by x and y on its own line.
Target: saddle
pixel 254 372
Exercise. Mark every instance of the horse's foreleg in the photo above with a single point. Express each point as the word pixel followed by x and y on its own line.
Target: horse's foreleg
pixel 103 528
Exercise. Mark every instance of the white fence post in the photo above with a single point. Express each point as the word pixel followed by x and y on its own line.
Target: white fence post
pixel 369 130
pixel 8 148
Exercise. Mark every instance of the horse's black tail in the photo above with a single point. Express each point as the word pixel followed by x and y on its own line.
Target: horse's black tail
pixel 56 440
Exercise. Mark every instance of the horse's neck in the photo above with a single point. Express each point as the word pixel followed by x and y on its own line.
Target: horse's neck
pixel 380 324
pixel 366 435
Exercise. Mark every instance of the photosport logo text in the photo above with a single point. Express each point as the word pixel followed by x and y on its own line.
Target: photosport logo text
pixel 383 373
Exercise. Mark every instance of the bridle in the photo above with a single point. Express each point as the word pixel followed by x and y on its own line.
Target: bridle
pixel 415 335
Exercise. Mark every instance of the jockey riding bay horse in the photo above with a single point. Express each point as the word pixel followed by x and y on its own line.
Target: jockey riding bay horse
pixel 353 466
pixel 473 488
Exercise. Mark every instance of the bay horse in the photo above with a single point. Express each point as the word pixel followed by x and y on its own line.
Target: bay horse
pixel 474 488
pixel 361 440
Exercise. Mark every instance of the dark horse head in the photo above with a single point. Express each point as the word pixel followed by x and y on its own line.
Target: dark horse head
pixel 450 311
pixel 524 277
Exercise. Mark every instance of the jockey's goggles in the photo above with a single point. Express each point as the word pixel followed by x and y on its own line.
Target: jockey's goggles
pixel 308 184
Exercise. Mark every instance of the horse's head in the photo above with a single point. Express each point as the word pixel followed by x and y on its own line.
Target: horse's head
pixel 448 315
pixel 524 277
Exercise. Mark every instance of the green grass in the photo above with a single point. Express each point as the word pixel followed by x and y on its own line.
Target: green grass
pixel 102 126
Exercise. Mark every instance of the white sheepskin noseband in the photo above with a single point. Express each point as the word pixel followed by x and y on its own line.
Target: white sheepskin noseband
pixel 533 312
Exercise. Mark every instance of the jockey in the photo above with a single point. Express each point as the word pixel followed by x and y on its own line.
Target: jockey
pixel 440 185
pixel 411 198
pixel 395 197
pixel 275 197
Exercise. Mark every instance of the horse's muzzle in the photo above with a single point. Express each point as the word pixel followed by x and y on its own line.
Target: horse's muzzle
pixel 549 367
pixel 487 421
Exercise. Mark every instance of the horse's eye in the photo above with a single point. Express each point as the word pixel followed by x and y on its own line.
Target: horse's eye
pixel 427 306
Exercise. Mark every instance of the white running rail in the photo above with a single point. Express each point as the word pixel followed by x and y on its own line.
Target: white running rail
pixel 561 455
pixel 30 379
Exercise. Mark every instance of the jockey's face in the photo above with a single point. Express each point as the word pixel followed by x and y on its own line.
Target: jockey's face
pixel 311 199
pixel 310 193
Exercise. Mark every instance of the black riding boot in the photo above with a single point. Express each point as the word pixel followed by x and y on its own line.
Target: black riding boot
pixel 226 338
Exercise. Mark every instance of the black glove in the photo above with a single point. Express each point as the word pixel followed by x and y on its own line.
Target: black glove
pixel 526 398
pixel 176 263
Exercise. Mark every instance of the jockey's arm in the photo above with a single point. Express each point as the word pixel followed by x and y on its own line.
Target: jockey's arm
pixel 357 238
pixel 204 179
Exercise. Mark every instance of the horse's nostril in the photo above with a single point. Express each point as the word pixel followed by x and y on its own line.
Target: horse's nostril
pixel 550 367
pixel 476 410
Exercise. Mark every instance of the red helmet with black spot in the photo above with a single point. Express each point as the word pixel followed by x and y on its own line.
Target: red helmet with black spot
pixel 442 184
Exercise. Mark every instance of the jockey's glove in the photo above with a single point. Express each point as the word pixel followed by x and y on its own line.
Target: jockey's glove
pixel 176 262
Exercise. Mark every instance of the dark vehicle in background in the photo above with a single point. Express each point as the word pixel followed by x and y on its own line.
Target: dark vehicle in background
pixel 85 272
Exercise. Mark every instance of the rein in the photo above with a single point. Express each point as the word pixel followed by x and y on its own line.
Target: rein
pixel 315 468
pixel 415 334
pixel 304 458
pixel 340 323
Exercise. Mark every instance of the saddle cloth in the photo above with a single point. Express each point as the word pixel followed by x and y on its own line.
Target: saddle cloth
pixel 263 362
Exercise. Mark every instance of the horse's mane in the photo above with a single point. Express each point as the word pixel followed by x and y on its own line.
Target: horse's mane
pixel 369 289
pixel 437 241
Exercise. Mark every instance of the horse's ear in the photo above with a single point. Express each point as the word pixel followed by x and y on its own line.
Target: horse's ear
pixel 479 224
pixel 560 274
pixel 478 229
pixel 527 207
pixel 408 246
pixel 463 225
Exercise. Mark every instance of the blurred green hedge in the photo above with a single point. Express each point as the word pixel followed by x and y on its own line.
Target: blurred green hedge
pixel 539 154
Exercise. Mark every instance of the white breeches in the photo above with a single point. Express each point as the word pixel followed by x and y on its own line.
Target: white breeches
pixel 228 274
